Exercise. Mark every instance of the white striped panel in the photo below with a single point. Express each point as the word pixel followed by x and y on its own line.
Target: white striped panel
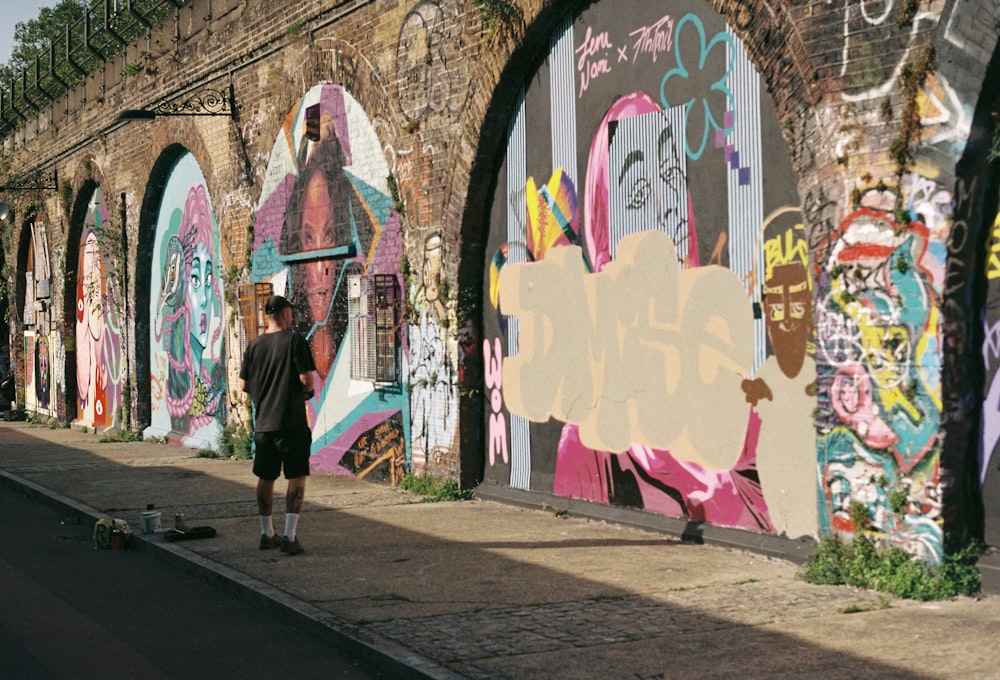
pixel 746 201
pixel 517 177
pixel 643 197
pixel 562 100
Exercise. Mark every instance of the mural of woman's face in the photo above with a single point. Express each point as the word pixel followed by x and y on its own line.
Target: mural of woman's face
pixel 200 292
pixel 317 234
pixel 651 186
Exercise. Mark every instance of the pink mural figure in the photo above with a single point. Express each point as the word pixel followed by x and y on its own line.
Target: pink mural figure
pixel 655 186
pixel 91 380
pixel 643 477
pixel 195 385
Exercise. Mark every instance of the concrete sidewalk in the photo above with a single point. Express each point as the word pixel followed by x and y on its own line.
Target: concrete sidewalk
pixel 483 589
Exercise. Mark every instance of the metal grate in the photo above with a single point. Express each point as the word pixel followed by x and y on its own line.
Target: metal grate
pixel 372 307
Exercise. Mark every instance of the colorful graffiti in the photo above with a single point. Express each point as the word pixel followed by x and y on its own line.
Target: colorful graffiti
pixel 326 214
pixel 656 333
pixel 880 368
pixel 99 356
pixel 187 380
pixel 37 318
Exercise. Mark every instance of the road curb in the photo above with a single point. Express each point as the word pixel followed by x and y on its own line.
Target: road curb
pixel 379 653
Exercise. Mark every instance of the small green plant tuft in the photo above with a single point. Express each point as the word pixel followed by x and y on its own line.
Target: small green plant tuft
pixel 496 15
pixel 206 453
pixel 120 436
pixel 236 441
pixel 861 564
pixel 434 489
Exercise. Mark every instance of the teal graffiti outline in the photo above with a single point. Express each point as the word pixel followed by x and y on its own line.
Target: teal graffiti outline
pixel 681 71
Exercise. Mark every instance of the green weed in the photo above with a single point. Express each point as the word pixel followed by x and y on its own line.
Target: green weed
pixel 862 565
pixel 236 441
pixel 434 489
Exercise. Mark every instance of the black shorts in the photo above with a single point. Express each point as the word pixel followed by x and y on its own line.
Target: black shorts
pixel 277 449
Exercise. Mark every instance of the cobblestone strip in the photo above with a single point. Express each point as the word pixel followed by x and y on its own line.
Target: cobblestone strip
pixel 466 637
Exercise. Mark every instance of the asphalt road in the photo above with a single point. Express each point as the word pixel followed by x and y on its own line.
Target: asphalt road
pixel 68 610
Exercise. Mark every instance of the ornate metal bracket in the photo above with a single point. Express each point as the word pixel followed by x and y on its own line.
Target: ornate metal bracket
pixel 207 102
pixel 39 180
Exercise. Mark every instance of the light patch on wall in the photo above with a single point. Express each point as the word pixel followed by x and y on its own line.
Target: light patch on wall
pixel 642 352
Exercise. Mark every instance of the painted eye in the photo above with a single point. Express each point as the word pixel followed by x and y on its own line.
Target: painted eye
pixel 195 282
pixel 638 194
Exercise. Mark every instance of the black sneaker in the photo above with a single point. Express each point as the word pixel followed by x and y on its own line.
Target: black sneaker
pixel 268 542
pixel 291 547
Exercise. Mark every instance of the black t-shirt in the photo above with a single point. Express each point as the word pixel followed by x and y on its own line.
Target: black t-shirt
pixel 271 368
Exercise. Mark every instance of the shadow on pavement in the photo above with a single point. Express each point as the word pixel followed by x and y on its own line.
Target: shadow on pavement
pixel 482 589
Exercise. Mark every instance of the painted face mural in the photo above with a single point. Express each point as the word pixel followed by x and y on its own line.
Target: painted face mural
pixel 99 364
pixel 629 360
pixel 788 311
pixel 325 214
pixel 187 345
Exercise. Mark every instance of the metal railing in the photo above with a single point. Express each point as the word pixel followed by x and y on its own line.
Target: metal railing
pixel 104 31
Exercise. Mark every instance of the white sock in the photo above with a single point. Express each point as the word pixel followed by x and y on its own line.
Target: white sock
pixel 291 523
pixel 266 525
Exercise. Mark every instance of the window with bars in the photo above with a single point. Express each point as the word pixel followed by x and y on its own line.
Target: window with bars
pixel 251 298
pixel 373 317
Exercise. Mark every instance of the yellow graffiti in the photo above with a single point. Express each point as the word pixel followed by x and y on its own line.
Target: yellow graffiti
pixel 785 249
pixel 993 269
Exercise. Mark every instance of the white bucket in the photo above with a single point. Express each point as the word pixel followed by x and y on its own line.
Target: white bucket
pixel 150 520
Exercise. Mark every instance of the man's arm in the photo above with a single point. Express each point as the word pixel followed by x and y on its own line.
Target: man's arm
pixel 307 384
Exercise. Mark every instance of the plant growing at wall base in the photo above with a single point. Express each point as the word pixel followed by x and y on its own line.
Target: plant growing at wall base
pixel 861 564
pixel 433 489
pixel 236 441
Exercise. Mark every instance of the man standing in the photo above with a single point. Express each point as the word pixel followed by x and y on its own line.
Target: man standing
pixel 277 372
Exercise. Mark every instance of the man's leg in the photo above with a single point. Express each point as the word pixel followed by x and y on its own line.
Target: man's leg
pixel 265 497
pixel 265 505
pixel 294 498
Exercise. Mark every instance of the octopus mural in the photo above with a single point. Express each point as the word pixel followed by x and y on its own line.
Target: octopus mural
pixel 99 356
pixel 187 342
pixel 325 215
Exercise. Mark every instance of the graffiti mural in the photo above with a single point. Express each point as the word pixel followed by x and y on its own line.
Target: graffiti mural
pixel 326 214
pixel 880 358
pixel 651 344
pixel 99 356
pixel 37 319
pixel 187 314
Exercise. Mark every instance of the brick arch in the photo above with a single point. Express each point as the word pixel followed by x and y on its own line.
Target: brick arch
pixel 637 81
pixel 166 155
pixel 84 186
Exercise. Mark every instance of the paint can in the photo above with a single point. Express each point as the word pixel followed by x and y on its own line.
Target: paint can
pixel 150 521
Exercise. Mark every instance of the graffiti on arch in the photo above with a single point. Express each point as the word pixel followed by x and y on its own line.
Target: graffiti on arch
pixel 326 213
pixel 187 314
pixel 651 295
pixel 99 354
pixel 879 363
